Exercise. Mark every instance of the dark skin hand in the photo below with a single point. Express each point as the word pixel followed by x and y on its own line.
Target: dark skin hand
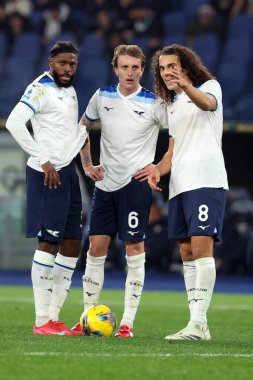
pixel 52 178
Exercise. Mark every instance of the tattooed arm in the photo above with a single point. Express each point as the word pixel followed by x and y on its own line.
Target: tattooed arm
pixel 94 172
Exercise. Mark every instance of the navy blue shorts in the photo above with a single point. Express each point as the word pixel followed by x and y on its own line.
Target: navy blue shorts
pixel 124 211
pixel 53 214
pixel 197 212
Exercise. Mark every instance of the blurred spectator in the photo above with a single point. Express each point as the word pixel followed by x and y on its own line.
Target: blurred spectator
pixel 153 44
pixel 56 20
pixel 159 250
pixel 16 25
pixel 237 193
pixel 145 21
pixel 232 253
pixel 3 17
pixel 226 9
pixel 249 254
pixel 102 24
pixel 250 7
pixel 205 22
pixel 24 7
pixel 94 6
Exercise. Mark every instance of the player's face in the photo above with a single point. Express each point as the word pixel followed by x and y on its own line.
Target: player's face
pixel 169 65
pixel 129 72
pixel 63 68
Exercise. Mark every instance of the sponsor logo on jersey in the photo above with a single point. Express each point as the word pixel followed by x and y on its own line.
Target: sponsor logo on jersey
pixel 53 233
pixel 132 232
pixel 108 108
pixel 140 113
pixel 204 227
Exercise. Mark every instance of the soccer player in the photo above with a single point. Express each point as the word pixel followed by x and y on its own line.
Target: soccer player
pixel 53 210
pixel 198 180
pixel 130 117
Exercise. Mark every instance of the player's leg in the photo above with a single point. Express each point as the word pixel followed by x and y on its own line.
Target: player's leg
pixel 44 256
pixel 43 272
pixel 189 271
pixel 42 279
pixel 57 217
pixel 135 257
pixel 199 283
pixel 204 210
pixel 93 278
pixel 64 266
pixel 102 228
pixel 133 205
pixel 202 248
pixel 177 229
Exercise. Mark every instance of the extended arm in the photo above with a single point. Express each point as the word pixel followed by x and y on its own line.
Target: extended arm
pixel 202 100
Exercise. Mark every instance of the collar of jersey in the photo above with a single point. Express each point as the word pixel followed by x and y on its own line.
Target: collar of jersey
pixel 128 96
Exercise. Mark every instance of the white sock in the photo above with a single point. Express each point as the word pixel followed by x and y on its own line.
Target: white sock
pixel 93 279
pixel 189 280
pixel 205 280
pixel 133 287
pixel 42 279
pixel 62 275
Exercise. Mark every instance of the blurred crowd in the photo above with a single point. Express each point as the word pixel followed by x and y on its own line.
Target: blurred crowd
pixel 118 21
pixel 215 29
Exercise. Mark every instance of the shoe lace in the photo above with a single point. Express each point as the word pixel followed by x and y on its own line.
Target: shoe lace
pixel 124 328
pixel 60 325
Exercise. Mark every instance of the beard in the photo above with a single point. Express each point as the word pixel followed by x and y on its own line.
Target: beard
pixel 59 83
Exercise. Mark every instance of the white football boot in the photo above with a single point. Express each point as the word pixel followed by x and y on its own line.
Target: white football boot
pixel 193 331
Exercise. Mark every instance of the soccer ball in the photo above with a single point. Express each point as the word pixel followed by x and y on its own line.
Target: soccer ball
pixel 98 320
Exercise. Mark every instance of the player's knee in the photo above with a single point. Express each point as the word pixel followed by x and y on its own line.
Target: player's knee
pixel 136 261
pixel 95 260
pixel 70 248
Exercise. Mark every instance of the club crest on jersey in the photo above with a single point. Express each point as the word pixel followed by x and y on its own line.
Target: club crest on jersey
pixel 36 93
pixel 140 113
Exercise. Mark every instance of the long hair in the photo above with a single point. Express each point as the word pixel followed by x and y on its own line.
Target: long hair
pixel 189 60
pixel 132 50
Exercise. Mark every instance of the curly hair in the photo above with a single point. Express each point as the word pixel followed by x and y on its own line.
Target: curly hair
pixel 64 47
pixel 132 50
pixel 189 60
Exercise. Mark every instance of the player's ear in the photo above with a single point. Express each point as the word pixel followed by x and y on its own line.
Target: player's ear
pixel 50 61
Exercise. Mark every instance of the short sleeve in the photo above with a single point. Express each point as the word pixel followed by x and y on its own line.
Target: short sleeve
pixel 92 110
pixel 160 110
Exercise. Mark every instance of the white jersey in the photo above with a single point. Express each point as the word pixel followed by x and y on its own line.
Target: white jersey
pixel 197 160
pixel 129 131
pixel 53 112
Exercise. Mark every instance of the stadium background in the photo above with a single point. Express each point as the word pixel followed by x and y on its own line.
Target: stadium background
pixel 221 32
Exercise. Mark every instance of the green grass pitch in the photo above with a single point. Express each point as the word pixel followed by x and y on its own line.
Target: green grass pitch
pixel 229 355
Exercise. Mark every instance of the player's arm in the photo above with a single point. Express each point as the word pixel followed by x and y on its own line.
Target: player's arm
pixel 204 101
pixel 16 124
pixel 96 173
pixel 162 168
